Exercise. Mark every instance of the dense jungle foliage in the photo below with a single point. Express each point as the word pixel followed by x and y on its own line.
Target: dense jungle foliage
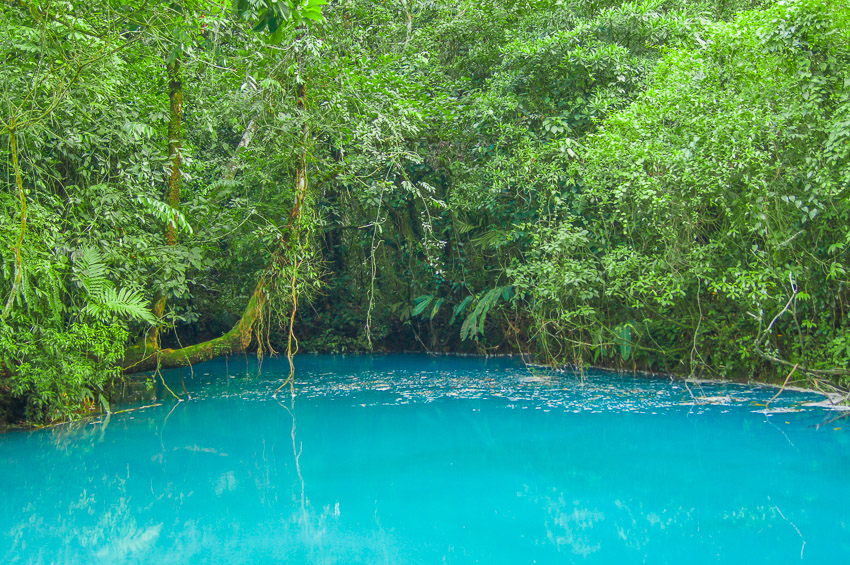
pixel 657 184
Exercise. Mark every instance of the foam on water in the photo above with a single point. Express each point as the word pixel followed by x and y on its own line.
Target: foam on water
pixel 411 459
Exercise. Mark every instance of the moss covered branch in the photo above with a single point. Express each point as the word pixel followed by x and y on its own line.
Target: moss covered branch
pixel 144 358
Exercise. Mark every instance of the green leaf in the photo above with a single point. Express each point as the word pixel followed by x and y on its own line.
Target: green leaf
pixel 473 325
pixel 104 403
pixel 421 303
pixel 166 213
pixel 459 308
pixel 437 304
pixel 274 24
pixel 262 22
pixel 625 338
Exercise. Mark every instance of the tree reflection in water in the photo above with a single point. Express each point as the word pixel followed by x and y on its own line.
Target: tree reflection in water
pixel 392 461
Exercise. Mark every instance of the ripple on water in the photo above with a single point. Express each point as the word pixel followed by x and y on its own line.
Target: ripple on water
pixel 360 382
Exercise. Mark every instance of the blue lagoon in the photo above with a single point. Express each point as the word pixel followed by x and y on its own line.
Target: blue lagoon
pixel 412 459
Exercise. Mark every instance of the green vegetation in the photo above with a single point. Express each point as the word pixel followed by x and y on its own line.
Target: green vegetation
pixel 654 184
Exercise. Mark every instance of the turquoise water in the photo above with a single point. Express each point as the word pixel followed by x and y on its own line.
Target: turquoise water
pixel 411 459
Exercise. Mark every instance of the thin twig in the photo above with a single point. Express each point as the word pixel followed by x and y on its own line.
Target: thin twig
pixel 775 396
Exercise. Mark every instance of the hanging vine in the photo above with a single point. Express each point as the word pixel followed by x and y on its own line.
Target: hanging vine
pixel 19 269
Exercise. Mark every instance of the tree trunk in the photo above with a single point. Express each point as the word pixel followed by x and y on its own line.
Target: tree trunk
pixel 175 144
pixel 172 193
pixel 148 356
pixel 243 143
pixel 143 358
pixel 301 171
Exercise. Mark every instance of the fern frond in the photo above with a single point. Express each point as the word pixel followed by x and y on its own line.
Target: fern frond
pixel 104 300
pixel 493 239
pixel 122 302
pixel 90 271
pixel 463 226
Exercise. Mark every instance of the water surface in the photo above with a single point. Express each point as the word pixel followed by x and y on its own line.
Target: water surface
pixel 411 459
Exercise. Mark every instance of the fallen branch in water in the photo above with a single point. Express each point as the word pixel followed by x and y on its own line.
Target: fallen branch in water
pixel 142 358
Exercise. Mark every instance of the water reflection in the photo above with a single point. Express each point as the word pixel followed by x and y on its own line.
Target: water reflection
pixel 395 461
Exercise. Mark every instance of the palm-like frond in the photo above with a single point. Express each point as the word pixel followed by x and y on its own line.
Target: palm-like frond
pixel 122 302
pixel 104 300
pixel 91 271
pixel 473 325
pixel 165 213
